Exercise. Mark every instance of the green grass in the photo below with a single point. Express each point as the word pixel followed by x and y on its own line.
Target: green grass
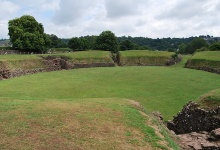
pixel 145 53
pixel 206 59
pixel 89 56
pixel 90 108
pixel 210 100
pixel 182 63
pixel 156 88
pixel 73 55
pixel 144 57
pixel 207 55
pixel 14 57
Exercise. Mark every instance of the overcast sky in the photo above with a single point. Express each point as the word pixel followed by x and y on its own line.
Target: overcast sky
pixel 146 18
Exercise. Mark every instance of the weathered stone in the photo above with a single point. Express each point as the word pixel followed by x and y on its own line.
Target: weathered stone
pixel 209 145
pixel 198 141
pixel 216 133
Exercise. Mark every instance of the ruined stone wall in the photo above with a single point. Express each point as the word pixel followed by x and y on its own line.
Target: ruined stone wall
pixel 204 68
pixel 205 65
pixel 194 119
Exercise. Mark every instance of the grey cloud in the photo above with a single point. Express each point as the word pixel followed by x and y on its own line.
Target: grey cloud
pixel 140 23
pixel 186 9
pixel 122 8
pixel 72 10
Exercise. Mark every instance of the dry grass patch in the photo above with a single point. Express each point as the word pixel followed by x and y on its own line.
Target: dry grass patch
pixel 78 124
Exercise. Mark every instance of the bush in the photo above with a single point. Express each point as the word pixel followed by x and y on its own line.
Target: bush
pixel 215 46
pixel 202 49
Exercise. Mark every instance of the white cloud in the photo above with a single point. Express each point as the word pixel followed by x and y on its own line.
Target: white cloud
pixel 151 18
pixel 75 11
pixel 7 9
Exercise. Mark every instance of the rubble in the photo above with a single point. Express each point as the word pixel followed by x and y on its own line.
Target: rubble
pixel 192 118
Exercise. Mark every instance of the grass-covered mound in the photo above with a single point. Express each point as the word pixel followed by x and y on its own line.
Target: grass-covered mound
pixel 207 61
pixel 144 58
pixel 77 124
pixel 210 100
pixel 21 61
pixel 88 57
pixel 18 65
pixel 36 61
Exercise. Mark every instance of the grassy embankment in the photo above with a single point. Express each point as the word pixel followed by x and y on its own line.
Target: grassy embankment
pixel 144 57
pixel 207 60
pixel 36 61
pixel 210 100
pixel 88 57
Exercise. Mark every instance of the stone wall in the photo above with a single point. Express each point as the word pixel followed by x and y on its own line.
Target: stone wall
pixel 204 68
pixel 205 65
pixel 194 119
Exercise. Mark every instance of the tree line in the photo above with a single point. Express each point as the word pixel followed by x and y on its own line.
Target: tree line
pixel 27 34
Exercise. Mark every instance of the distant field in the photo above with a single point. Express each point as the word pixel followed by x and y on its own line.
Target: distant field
pixel 144 57
pixel 207 60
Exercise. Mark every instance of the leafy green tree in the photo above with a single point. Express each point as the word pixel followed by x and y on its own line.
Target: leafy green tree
pixel 182 48
pixel 190 48
pixel 27 34
pixel 74 43
pixel 54 41
pixel 197 44
pixel 78 43
pixel 215 46
pixel 107 41
pixel 126 45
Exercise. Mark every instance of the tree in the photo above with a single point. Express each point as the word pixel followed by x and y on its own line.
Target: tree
pixel 74 43
pixel 126 45
pixel 182 48
pixel 190 48
pixel 107 41
pixel 54 41
pixel 215 46
pixel 197 44
pixel 27 34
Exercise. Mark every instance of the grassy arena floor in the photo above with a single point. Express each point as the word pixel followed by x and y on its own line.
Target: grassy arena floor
pixel 156 88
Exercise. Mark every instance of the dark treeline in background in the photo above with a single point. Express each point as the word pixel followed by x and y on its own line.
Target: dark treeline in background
pixel 142 43
pixel 128 42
